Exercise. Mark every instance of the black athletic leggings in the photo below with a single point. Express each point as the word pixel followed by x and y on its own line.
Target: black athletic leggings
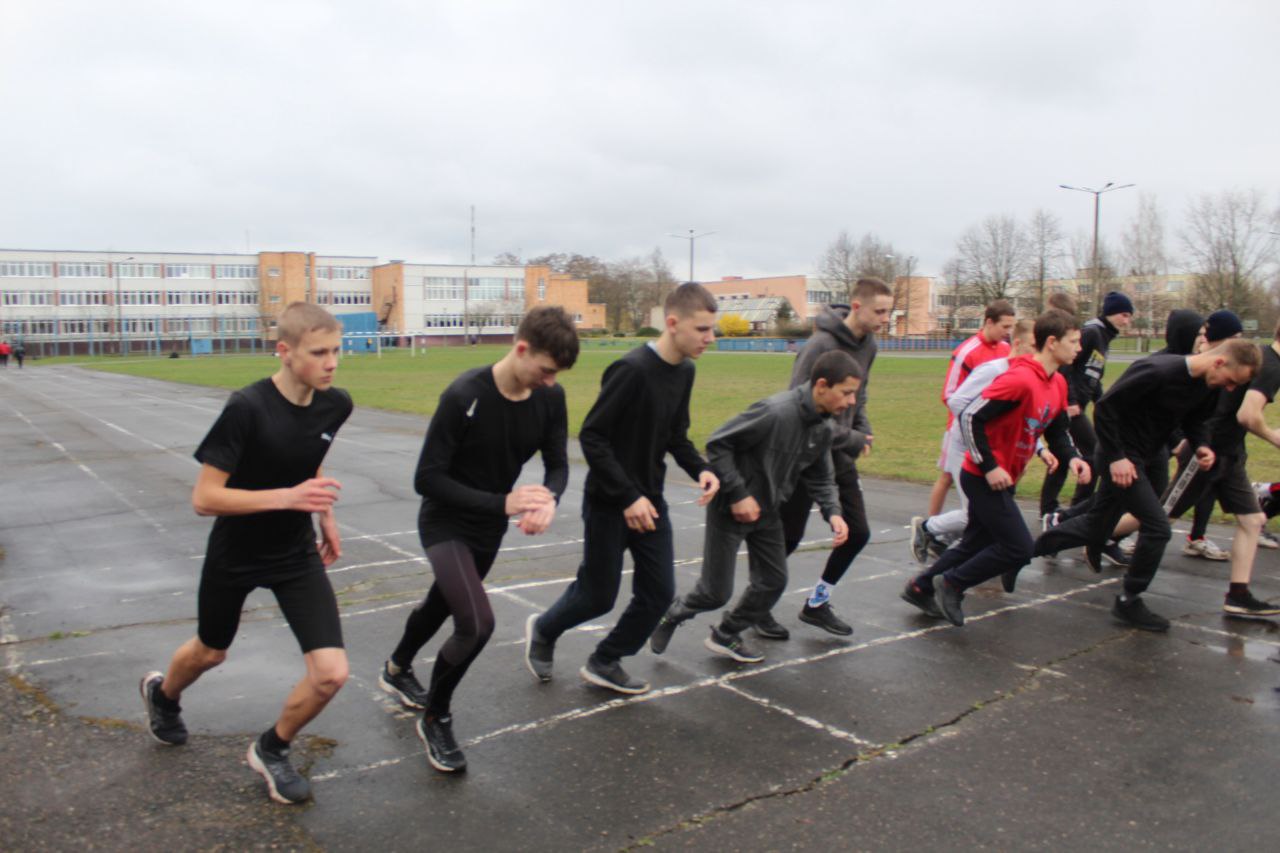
pixel 458 591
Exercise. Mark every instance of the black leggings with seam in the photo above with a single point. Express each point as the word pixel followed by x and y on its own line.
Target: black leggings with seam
pixel 458 591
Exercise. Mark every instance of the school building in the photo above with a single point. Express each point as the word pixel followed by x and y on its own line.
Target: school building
pixel 96 301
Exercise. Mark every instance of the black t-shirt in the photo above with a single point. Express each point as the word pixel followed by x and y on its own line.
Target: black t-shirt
pixel 475 447
pixel 266 442
pixel 1227 434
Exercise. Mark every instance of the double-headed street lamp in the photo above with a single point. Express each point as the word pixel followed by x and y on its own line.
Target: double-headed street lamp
pixel 692 238
pixel 1097 205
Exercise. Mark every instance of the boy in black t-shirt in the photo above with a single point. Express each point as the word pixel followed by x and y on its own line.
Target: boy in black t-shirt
pixel 1239 411
pixel 489 422
pixel 260 475
pixel 642 414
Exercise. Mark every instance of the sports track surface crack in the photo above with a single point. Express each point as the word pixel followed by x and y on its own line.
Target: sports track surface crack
pixel 865 757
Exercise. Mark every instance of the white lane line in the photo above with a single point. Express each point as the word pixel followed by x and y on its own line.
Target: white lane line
pixel 582 713
pixel 817 725
pixel 142 513
pixel 50 661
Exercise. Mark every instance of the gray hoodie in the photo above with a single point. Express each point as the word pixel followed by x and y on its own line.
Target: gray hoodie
pixel 766 450
pixel 851 427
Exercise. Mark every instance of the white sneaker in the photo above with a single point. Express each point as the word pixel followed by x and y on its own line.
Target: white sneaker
pixel 1128 545
pixel 1205 549
pixel 1267 539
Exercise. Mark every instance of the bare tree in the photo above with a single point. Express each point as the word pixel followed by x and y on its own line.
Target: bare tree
pixel 1044 244
pixel 992 255
pixel 846 261
pixel 508 259
pixel 1229 249
pixel 1143 255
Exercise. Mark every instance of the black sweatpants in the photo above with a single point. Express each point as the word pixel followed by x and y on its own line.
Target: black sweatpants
pixel 1082 434
pixel 995 540
pixel 458 591
pixel 594 591
pixel 795 515
pixel 1096 526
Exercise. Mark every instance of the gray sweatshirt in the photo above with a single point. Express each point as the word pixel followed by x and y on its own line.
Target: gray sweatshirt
pixel 770 447
pixel 851 426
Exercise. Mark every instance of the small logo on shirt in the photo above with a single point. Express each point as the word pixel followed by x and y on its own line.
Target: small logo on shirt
pixel 471 411
pixel 326 437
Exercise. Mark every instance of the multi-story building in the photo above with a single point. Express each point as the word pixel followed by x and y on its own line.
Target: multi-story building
pixel 87 301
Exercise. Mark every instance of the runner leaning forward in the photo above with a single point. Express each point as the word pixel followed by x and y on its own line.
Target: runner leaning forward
pixel 489 422
pixel 261 477
pixel 641 415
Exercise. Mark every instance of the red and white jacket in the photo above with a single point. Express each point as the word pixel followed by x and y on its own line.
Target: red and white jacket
pixel 1000 427
pixel 972 352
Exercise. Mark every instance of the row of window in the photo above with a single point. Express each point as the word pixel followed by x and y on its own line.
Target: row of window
pixel 481 289
pixel 345 297
pixel 45 269
pixel 454 321
pixel 342 273
pixel 107 328
pixel 129 297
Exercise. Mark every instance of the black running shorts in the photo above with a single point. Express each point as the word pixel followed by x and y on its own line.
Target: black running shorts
pixel 306 599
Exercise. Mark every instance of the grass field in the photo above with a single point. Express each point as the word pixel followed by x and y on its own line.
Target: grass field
pixel 904 405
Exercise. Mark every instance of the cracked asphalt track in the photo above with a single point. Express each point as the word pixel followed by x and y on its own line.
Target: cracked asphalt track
pixel 1040 724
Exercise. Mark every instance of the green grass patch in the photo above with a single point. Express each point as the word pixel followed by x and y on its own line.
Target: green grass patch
pixel 904 405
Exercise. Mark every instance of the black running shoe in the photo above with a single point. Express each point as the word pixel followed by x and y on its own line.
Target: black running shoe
pixel 732 646
pixel 539 655
pixel 442 750
pixel 949 599
pixel 824 617
pixel 1112 554
pixel 164 716
pixel 661 636
pixel 922 598
pixel 284 784
pixel 1135 613
pixel 404 687
pixel 1009 579
pixel 611 676
pixel 1248 607
pixel 769 628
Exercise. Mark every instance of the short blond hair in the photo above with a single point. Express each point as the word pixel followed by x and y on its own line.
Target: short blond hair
pixel 302 317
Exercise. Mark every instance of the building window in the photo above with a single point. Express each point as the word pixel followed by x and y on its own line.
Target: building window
pixel 26 269
pixel 1173 285
pixel 237 270
pixel 137 270
pixel 82 270
pixel 542 289
pixel 188 271
pixel 274 272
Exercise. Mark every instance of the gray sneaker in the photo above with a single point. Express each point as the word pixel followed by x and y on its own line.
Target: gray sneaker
pixel 164 717
pixel 284 784
pixel 949 599
pixel 923 543
pixel 661 635
pixel 732 646
pixel 611 676
pixel 538 653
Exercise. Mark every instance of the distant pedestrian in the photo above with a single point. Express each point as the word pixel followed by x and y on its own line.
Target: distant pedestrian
pixel 5 349
pixel 20 353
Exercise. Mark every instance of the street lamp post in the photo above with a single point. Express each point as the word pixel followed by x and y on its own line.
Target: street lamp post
pixel 1097 206
pixel 115 268
pixel 692 238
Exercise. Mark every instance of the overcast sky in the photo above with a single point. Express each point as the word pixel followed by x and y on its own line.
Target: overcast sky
pixel 601 127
